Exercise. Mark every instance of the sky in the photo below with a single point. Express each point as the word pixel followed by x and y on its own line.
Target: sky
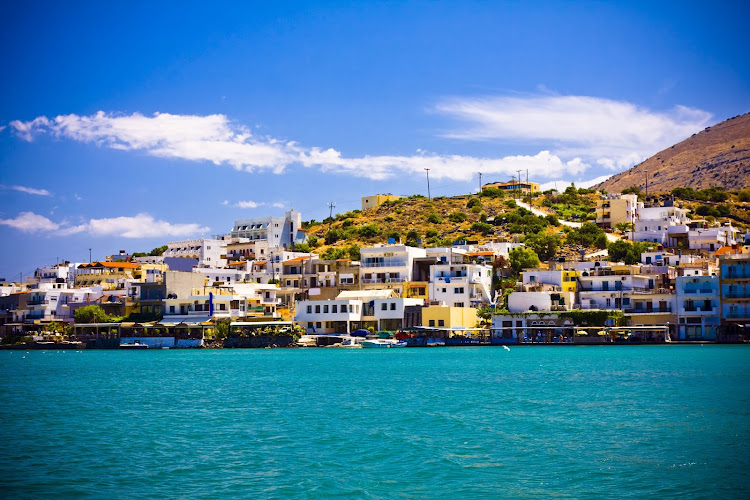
pixel 126 125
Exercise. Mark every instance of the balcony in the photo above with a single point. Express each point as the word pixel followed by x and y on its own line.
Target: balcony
pixel 383 263
pixel 644 310
pixel 737 295
pixel 373 281
pixel 699 291
pixel 699 310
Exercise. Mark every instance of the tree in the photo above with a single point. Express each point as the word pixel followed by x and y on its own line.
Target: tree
pixel 91 314
pixel 624 227
pixel 354 252
pixel 629 253
pixel 523 258
pixel 544 245
pixel 302 247
pixel 158 250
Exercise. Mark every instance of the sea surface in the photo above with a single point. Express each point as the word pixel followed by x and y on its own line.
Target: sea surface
pixel 667 421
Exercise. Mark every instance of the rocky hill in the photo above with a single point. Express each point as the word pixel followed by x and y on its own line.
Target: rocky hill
pixel 716 156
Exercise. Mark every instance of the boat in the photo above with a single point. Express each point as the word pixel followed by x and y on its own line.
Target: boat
pixel 134 345
pixel 382 343
pixel 308 341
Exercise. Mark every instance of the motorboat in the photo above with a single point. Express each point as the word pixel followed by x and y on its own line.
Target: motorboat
pixel 135 345
pixel 382 343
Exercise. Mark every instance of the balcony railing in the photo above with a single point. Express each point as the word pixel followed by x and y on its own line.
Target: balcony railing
pixel 643 310
pixel 737 315
pixel 737 295
pixel 702 291
pixel 384 263
pixel 698 310
pixel 372 281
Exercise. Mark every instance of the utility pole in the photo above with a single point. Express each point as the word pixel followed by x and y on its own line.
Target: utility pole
pixel 429 197
pixel 89 256
pixel 519 180
pixel 330 214
pixel 646 182
pixel 480 182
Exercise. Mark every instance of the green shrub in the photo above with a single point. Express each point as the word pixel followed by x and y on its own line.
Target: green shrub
pixel 430 233
pixel 457 217
pixel 433 218
pixel 481 227
pixel 369 231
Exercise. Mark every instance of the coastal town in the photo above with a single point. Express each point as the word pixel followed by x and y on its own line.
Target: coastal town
pixel 653 272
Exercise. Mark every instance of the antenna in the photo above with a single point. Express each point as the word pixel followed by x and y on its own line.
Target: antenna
pixel 428 183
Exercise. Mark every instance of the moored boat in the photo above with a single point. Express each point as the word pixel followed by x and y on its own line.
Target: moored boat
pixel 382 343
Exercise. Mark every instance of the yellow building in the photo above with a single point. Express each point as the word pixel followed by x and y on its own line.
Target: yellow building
pixel 569 280
pixel 449 317
pixel 416 290
pixel 523 187
pixel 110 275
pixel 376 200
pixel 611 211
pixel 563 278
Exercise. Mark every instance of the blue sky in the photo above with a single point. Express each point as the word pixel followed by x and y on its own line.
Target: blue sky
pixel 125 125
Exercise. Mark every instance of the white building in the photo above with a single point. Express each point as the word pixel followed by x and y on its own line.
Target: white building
pixel 663 225
pixel 277 231
pixel 461 285
pixel 387 263
pixel 543 301
pixel 209 252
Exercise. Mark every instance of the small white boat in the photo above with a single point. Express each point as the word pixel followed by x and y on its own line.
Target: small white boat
pixel 308 341
pixel 382 343
pixel 135 345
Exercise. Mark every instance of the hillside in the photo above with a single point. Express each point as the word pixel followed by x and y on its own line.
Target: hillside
pixel 443 220
pixel 716 156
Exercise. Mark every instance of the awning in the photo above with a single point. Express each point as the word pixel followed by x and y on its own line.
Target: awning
pixel 185 321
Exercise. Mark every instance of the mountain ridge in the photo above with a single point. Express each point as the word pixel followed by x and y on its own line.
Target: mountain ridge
pixel 719 155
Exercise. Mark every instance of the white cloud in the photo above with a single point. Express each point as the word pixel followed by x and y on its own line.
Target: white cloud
pixel 28 190
pixel 140 226
pixel 575 133
pixel 29 222
pixel 277 205
pixel 613 134
pixel 248 204
pixel 561 184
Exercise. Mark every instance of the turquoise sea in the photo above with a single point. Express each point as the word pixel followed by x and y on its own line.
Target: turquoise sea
pixel 465 422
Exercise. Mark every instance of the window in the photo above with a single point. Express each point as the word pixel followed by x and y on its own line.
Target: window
pixel 458 304
pixel 459 289
pixel 441 322
pixel 383 306
pixel 432 322
pixel 609 302
pixel 334 308
pixel 393 306
pixel 222 307
pixel 317 309
pixel 325 309
pixel 171 309
pixel 317 324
